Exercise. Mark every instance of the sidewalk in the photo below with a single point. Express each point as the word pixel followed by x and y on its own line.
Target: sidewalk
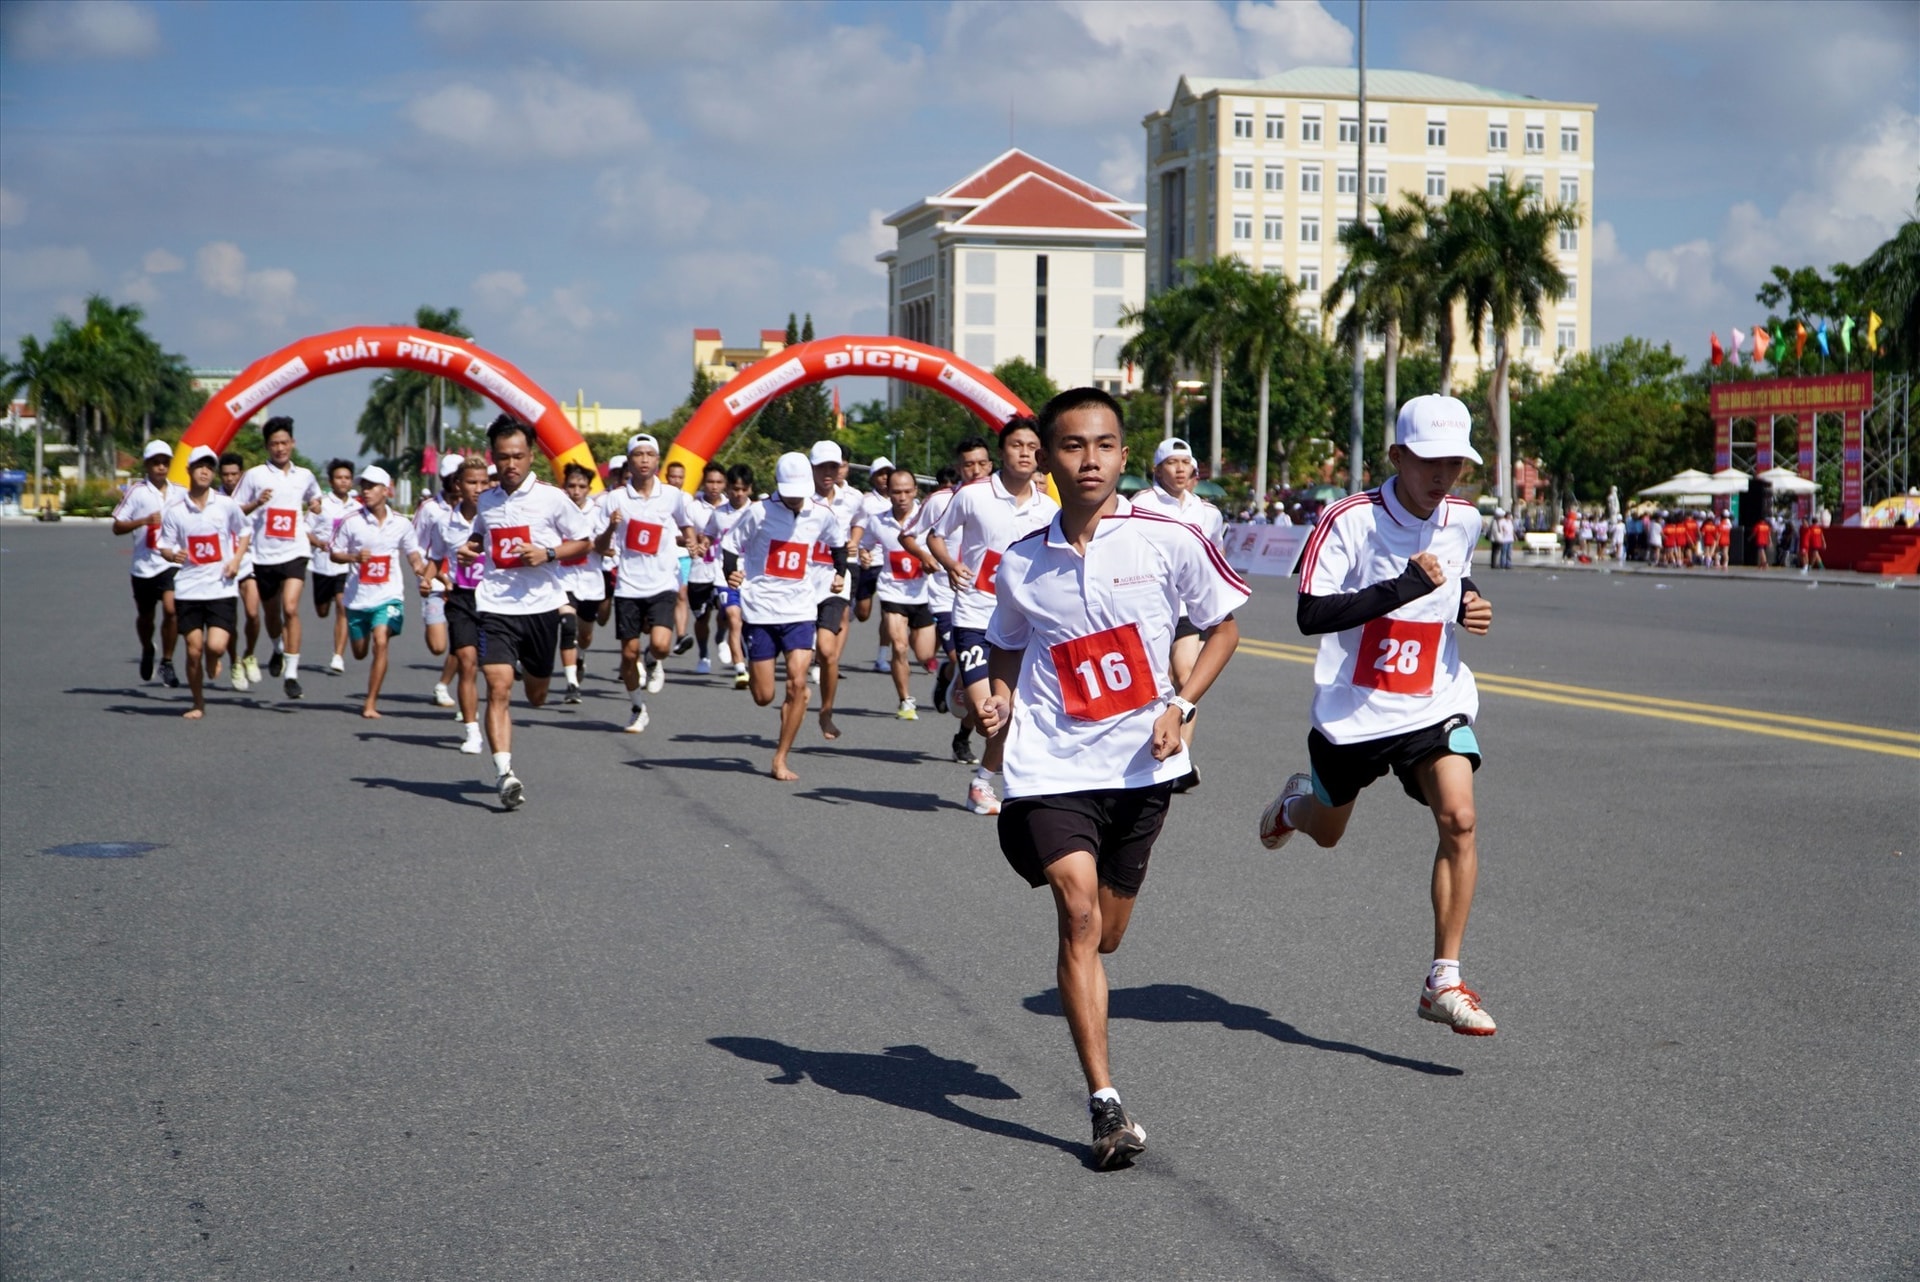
pixel 1482 559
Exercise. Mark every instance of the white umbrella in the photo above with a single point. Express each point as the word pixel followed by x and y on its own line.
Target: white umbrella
pixel 1728 480
pixel 1691 481
pixel 1784 481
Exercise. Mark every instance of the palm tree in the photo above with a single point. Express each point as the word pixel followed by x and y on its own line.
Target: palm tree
pixel 1267 326
pixel 1508 268
pixel 1204 322
pixel 1388 277
pixel 39 376
pixel 1152 347
pixel 386 424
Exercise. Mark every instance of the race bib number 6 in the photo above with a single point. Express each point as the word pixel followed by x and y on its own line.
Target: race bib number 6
pixel 203 549
pixel 281 522
pixel 1105 674
pixel 786 560
pixel 1397 656
pixel 507 545
pixel 643 537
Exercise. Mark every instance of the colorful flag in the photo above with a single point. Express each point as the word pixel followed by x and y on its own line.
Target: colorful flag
pixel 1739 340
pixel 1822 338
pixel 1873 332
pixel 1846 335
pixel 1719 355
pixel 1799 339
pixel 1781 343
pixel 1760 344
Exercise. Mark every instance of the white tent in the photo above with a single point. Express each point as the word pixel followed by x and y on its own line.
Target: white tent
pixel 1729 480
pixel 1691 481
pixel 1784 481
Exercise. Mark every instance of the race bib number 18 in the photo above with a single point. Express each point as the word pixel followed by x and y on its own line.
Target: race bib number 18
pixel 786 560
pixel 1104 675
pixel 507 544
pixel 1397 656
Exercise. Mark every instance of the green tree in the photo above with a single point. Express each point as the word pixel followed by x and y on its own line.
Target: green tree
pixel 1888 281
pixel 1027 381
pixel 1152 348
pixel 1388 278
pixel 1626 414
pixel 406 409
pixel 1206 320
pixel 1266 332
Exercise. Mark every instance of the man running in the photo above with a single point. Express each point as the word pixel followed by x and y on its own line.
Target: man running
pixel 141 509
pixel 830 583
pixel 522 528
pixel 1384 584
pixel 1085 608
pixel 246 673
pixel 722 519
pixel 275 494
pixel 766 555
pixel 433 609
pixel 204 533
pixel 866 574
pixel 372 543
pixel 463 617
pixel 586 586
pixel 906 617
pixel 647 521
pixel 973 462
pixel 984 519
pixel 703 580
pixel 329 577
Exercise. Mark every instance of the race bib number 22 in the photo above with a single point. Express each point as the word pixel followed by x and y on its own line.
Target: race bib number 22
pixel 507 545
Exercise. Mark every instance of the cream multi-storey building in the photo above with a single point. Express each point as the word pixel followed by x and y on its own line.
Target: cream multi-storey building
pixel 1268 170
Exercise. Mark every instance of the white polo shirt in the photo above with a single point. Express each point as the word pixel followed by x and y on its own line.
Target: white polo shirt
pixel 645 537
pixel 1402 671
pixel 775 545
pixel 903 579
pixel 719 520
pixel 987 520
pixel 208 535
pixel 279 524
pixel 848 506
pixel 939 584
pixel 706 566
pixel 535 515
pixel 580 575
pixel 1189 507
pixel 325 523
pixel 1094 635
pixel 392 545
pixel 450 534
pixel 142 502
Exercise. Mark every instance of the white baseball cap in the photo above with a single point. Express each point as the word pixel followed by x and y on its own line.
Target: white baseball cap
pixel 203 452
pixel 1172 447
pixel 449 464
pixel 157 449
pixel 793 475
pixel 638 439
pixel 1436 426
pixel 881 464
pixel 825 452
pixel 375 473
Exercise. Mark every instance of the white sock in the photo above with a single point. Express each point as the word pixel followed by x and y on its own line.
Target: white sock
pixel 292 669
pixel 983 775
pixel 473 729
pixel 638 698
pixel 502 764
pixel 1444 974
pixel 573 674
pixel 1105 1092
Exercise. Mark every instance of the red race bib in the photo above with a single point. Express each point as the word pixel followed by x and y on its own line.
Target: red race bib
pixel 507 544
pixel 378 570
pixel 905 565
pixel 203 549
pixel 1397 657
pixel 1105 674
pixel 153 536
pixel 643 537
pixel 984 578
pixel 281 522
pixel 822 554
pixel 786 560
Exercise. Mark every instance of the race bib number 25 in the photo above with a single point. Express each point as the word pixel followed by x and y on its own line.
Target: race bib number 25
pixel 377 570
pixel 1105 674
pixel 1397 656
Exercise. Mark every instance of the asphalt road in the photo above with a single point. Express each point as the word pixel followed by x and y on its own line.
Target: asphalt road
pixel 675 1020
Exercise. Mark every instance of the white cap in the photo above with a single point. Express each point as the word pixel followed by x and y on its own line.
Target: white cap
pixel 1436 426
pixel 375 473
pixel 1499 511
pixel 638 439
pixel 157 449
pixel 203 452
pixel 1172 447
pixel 492 470
pixel 793 475
pixel 881 464
pixel 449 464
pixel 825 452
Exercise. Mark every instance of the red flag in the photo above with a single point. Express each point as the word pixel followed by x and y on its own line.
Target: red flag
pixel 1799 339
pixel 1719 354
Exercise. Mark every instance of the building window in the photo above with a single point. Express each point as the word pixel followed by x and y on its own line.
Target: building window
pixel 1310 323
pixel 1310 179
pixel 1573 290
pixel 1436 133
pixel 1040 311
pixel 1529 336
pixel 1496 137
pixel 1276 177
pixel 1275 228
pixel 1536 187
pixel 1310 279
pixel 1109 271
pixel 1376 133
pixel 1376 182
pixel 1496 182
pixel 1040 270
pixel 1536 139
pixel 1310 230
pixel 1569 191
pixel 1310 129
pixel 1243 177
pixel 1349 129
pixel 1340 226
pixel 1346 182
pixel 978 350
pixel 1437 183
pixel 1570 139
pixel 1243 124
pixel 979 309
pixel 980 268
pixel 1276 128
pixel 1107 309
pixel 1243 226
pixel 1565 337
pixel 1569 240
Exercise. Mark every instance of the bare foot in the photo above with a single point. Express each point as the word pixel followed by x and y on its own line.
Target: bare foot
pixel 370 713
pixel 193 714
pixel 783 774
pixel 827 728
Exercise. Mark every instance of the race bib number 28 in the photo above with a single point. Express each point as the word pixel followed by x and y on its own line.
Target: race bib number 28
pixel 1397 657
pixel 1105 674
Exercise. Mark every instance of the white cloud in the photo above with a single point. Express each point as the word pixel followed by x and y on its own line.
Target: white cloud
pixel 139 289
pixel 159 262
pixel 661 33
pixel 651 204
pixel 271 292
pixel 13 208
pixel 546 114
pixel 499 290
pixel 79 30
pixel 807 97
pixel 857 249
pixel 47 268
pixel 1123 169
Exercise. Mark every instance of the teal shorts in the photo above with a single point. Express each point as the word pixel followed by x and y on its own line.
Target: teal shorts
pixel 388 614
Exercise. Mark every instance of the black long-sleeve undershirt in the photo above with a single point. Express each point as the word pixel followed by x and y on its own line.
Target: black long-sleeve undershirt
pixel 1338 611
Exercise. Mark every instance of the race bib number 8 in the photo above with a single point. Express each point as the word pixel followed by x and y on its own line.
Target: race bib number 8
pixel 904 565
pixel 1397 656
pixel 786 560
pixel 507 545
pixel 281 522
pixel 377 570
pixel 153 536
pixel 643 537
pixel 988 573
pixel 1104 675
pixel 203 549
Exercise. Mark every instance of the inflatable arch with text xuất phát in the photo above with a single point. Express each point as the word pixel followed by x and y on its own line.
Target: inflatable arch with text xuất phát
pixel 385 347
pixel 826 358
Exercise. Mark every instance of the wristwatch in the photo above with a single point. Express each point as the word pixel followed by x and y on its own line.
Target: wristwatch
pixel 1186 708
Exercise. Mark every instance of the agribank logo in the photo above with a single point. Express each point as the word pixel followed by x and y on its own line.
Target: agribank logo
pixel 780 377
pixel 505 392
pixel 975 393
pixel 267 388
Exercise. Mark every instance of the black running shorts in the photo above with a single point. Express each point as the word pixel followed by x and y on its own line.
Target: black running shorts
pixel 918 614
pixel 636 616
pixel 531 640
pixel 831 615
pixel 147 593
pixel 463 620
pixel 1341 770
pixel 268 578
pixel 205 615
pixel 1118 826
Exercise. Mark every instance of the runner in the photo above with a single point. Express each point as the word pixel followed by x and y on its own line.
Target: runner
pixel 1174 476
pixel 275 493
pixel 1085 611
pixel 739 499
pixel 204 533
pixel 985 518
pixel 586 585
pixel 649 518
pixel 1383 583
pixel 703 580
pixel 830 631
pixel 329 577
pixel 974 463
pixel 523 526
pixel 246 672
pixel 433 609
pixel 866 575
pixel 676 475
pixel 463 618
pixel 766 556
pixel 153 577
pixel 905 612
pixel 373 541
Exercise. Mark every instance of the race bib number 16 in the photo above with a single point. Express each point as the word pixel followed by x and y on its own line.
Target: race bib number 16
pixel 1105 674
pixel 1397 657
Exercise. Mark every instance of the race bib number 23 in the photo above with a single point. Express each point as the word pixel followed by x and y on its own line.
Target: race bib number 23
pixel 281 522
pixel 1105 674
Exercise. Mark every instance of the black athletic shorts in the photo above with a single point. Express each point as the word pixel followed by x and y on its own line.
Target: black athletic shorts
pixel 918 613
pixel 217 613
pixel 328 586
pixel 1185 628
pixel 147 592
pixel 1118 825
pixel 463 621
pixel 268 578
pixel 531 640
pixel 1341 770
pixel 866 581
pixel 636 616
pixel 831 615
pixel 700 597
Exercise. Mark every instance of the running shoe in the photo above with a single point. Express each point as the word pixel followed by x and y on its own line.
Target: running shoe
pixel 881 665
pixel 657 678
pixel 940 684
pixel 1274 828
pixel 253 670
pixel 739 678
pixel 338 666
pixel 146 663
pixel 726 654
pixel 442 699
pixel 240 676
pixel 639 722
pixel 1117 1138
pixel 293 688
pixel 276 663
pixel 683 645
pixel 981 798
pixel 963 748
pixel 573 693
pixel 511 791
pixel 703 667
pixel 168 677
pixel 909 711
pixel 473 745
pixel 1458 1007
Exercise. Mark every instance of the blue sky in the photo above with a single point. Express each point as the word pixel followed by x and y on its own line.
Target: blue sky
pixel 589 181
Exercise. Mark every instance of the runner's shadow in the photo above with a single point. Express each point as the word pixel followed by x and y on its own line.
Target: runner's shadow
pixel 723 765
pixel 1185 1004
pixel 752 740
pixel 909 1077
pixel 891 756
pixel 412 740
pixel 921 801
pixel 450 792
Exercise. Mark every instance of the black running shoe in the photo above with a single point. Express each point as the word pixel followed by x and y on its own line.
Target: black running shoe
pixel 683 645
pixel 146 664
pixel 293 688
pixel 573 694
pixel 963 748
pixel 1117 1138
pixel 276 665
pixel 940 683
pixel 168 677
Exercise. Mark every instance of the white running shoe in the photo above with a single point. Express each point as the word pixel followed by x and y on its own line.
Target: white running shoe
pixel 240 676
pixel 339 664
pixel 1458 1007
pixel 639 722
pixel 1274 828
pixel 657 677
pixel 703 667
pixel 511 793
pixel 253 671
pixel 725 654
pixel 909 710
pixel 981 798
pixel 813 673
pixel 441 699
pixel 740 678
pixel 473 745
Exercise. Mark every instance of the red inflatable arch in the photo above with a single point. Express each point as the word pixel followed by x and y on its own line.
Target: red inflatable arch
pixel 385 347
pixel 827 358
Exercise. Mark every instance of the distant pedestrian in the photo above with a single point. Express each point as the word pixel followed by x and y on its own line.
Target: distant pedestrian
pixel 1503 533
pixel 1813 542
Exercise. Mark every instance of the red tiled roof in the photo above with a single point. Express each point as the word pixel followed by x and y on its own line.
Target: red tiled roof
pixel 1013 165
pixel 706 335
pixel 773 336
pixel 1035 201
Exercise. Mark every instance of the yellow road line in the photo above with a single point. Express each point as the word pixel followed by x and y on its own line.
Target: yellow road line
pixel 1803 729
